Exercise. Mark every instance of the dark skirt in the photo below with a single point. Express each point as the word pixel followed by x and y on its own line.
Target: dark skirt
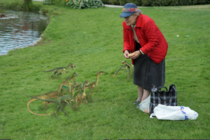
pixel 147 72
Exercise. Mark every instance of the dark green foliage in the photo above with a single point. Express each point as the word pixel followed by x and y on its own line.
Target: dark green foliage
pixel 28 6
pixel 121 2
pixel 76 4
pixel 137 2
pixel 173 2
pixel 161 2
pixel 25 5
pixel 55 2
pixel 115 2
pixel 49 2
pixel 157 2
pixel 81 4
pixel 146 3
pixel 106 1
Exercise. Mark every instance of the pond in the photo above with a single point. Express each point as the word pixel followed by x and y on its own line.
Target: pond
pixel 20 29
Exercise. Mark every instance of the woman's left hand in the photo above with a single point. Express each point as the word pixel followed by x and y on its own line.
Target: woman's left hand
pixel 135 55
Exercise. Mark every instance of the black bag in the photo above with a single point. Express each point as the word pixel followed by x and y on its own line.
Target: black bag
pixel 164 97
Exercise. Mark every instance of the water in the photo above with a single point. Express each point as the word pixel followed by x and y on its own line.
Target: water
pixel 20 29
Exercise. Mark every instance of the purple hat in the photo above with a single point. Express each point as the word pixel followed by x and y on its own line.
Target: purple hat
pixel 129 9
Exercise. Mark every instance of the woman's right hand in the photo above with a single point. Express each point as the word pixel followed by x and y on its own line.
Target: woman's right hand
pixel 126 53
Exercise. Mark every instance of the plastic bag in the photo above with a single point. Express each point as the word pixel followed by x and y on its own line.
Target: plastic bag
pixel 144 105
pixel 164 112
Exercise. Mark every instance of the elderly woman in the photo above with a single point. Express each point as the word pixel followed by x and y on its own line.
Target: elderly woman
pixel 144 43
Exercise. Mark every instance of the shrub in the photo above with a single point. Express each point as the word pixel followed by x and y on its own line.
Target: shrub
pixel 80 4
pixel 55 2
pixel 76 4
pixel 106 1
pixel 185 2
pixel 122 2
pixel 157 2
pixel 137 2
pixel 27 5
pixel 174 2
pixel 146 3
pixel 200 1
pixel 166 2
pixel 115 2
pixel 48 2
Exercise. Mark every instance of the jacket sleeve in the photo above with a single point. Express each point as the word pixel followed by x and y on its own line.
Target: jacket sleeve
pixel 126 43
pixel 150 31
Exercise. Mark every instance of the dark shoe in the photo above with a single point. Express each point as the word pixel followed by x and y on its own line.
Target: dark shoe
pixel 136 102
pixel 138 106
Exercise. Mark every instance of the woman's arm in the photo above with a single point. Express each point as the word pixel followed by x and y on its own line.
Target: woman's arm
pixel 126 41
pixel 150 30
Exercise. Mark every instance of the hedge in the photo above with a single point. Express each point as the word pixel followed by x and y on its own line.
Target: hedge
pixel 76 4
pixel 157 2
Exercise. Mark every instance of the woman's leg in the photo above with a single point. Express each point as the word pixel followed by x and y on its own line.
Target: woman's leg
pixel 145 95
pixel 140 93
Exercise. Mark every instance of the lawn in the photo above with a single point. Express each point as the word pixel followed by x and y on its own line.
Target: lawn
pixel 92 39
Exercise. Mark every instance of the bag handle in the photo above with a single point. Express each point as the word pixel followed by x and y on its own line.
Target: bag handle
pixel 170 94
pixel 159 88
pixel 164 92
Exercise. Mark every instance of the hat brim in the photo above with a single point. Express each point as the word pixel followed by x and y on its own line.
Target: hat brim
pixel 123 14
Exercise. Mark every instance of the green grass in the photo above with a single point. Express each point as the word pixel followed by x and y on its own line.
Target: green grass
pixel 92 39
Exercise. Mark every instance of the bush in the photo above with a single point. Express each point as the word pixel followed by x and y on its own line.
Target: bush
pixel 115 2
pixel 166 2
pixel 81 4
pixel 185 2
pixel 25 5
pixel 122 2
pixel 157 2
pixel 55 2
pixel 200 1
pixel 174 2
pixel 137 2
pixel 76 4
pixel 106 1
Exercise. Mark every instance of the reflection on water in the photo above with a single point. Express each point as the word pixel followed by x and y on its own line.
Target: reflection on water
pixel 20 29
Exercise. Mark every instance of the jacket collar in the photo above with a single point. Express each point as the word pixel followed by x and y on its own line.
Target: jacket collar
pixel 138 22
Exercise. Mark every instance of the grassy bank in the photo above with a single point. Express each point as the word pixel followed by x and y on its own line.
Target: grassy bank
pixel 19 5
pixel 91 39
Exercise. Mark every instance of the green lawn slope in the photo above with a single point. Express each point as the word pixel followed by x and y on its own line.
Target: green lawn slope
pixel 92 39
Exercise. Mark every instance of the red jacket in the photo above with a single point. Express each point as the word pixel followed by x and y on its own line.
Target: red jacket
pixel 152 41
